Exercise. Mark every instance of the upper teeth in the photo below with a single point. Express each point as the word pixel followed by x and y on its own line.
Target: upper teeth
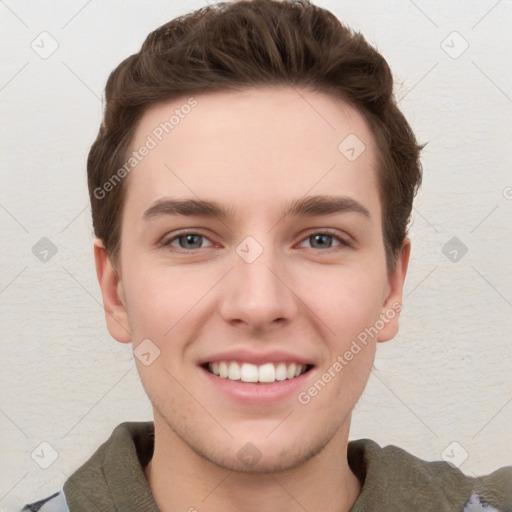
pixel 248 372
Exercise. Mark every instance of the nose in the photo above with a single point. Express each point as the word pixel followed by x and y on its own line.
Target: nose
pixel 258 294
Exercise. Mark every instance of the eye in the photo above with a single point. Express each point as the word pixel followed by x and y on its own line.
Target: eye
pixel 186 240
pixel 324 240
pixel 191 240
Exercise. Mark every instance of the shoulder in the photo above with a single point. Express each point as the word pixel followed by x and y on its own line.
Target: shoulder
pixel 397 480
pixel 95 484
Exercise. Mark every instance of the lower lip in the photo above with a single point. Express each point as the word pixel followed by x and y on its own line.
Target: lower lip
pixel 257 393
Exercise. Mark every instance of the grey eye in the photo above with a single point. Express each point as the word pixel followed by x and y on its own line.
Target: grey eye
pixel 321 240
pixel 190 241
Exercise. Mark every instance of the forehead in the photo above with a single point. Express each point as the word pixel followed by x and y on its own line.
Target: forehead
pixel 253 148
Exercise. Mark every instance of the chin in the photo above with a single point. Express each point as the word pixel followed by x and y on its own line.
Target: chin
pixel 277 452
pixel 250 460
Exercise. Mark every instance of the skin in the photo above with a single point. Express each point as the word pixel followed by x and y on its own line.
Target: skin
pixel 252 151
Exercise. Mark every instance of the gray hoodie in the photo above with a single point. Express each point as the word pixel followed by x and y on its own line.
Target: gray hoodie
pixel 392 480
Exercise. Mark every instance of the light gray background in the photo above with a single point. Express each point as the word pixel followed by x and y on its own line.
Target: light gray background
pixel 447 376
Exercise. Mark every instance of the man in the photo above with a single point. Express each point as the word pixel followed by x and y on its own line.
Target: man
pixel 251 186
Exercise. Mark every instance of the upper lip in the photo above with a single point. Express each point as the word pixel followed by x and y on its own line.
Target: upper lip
pixel 258 358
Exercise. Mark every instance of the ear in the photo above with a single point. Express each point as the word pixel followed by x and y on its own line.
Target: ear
pixel 112 292
pixel 392 304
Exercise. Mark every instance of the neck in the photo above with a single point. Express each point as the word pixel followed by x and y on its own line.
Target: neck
pixel 323 483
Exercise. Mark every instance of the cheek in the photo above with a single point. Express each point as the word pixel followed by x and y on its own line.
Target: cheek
pixel 161 299
pixel 349 301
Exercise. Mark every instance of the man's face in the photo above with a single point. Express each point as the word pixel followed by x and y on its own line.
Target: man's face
pixel 257 294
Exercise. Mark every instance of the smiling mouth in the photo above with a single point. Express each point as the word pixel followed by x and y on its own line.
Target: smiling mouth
pixel 267 373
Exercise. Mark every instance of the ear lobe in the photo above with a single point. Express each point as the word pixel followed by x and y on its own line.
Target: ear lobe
pixel 116 315
pixel 393 302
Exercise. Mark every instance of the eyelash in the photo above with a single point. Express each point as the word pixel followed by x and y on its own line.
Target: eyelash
pixel 342 242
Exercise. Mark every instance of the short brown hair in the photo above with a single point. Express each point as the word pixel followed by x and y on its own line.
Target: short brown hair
pixel 235 45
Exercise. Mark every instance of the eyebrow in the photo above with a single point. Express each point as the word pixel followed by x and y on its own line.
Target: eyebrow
pixel 310 206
